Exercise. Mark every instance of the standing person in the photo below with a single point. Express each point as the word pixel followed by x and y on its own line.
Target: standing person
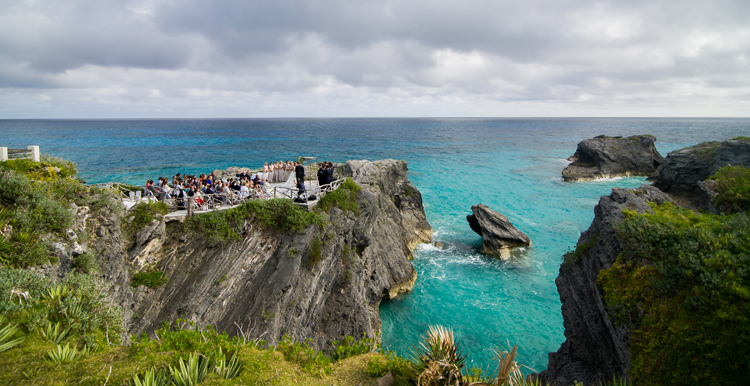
pixel 321 174
pixel 264 177
pixel 299 170
pixel 329 173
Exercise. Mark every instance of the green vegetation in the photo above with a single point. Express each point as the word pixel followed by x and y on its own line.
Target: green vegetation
pixel 573 258
pixel 78 303
pixel 144 214
pixel 683 284
pixel 151 279
pixel 344 198
pixel 275 215
pixel 49 169
pixel 705 151
pixel 732 188
pixel 316 248
pixel 742 138
pixel 35 202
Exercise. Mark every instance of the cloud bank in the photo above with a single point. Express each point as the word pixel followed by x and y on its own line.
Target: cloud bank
pixel 200 58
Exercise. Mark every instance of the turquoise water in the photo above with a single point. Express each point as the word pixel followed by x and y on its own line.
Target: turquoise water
pixel 511 165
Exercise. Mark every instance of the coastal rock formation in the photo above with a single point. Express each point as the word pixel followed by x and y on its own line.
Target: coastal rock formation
pixel 683 169
pixel 595 349
pixel 321 284
pixel 499 236
pixel 607 157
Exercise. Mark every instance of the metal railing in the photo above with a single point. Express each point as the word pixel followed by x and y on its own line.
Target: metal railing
pixel 202 202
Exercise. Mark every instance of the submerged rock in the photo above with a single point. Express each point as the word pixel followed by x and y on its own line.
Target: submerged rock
pixel 683 169
pixel 608 157
pixel 499 236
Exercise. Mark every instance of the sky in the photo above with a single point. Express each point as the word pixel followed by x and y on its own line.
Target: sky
pixel 374 58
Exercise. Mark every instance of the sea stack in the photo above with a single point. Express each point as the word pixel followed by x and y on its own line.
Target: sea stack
pixel 608 157
pixel 499 236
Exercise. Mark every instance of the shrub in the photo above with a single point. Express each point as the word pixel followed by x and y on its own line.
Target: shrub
pixel 316 248
pixel 682 283
pixel 192 371
pixel 311 360
pixel 350 347
pixel 732 188
pixel 49 168
pixel 275 215
pixel 573 258
pixel 344 198
pixel 144 214
pixel 151 279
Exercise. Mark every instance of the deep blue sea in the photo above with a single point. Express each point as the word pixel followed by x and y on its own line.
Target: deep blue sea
pixel 511 165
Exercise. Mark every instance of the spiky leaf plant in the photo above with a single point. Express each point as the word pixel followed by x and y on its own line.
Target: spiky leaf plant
pixel 153 377
pixel 228 369
pixel 192 372
pixel 438 360
pixel 53 332
pixel 8 336
pixel 67 353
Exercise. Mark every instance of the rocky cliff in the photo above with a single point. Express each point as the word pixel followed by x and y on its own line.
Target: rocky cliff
pixel 684 169
pixel 323 283
pixel 607 157
pixel 595 349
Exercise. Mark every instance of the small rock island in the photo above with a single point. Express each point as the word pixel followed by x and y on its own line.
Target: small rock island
pixel 499 236
pixel 608 157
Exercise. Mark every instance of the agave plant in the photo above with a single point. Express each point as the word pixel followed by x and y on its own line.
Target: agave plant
pixel 228 369
pixel 56 293
pixel 153 377
pixel 438 360
pixel 67 353
pixel 53 332
pixel 192 372
pixel 8 334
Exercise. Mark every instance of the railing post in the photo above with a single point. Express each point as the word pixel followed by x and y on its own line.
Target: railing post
pixel 34 153
pixel 3 153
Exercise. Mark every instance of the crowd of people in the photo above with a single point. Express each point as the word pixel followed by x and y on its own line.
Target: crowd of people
pixel 245 184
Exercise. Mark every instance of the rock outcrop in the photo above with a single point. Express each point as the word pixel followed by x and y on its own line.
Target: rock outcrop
pixel 499 236
pixel 595 349
pixel 684 169
pixel 321 284
pixel 608 157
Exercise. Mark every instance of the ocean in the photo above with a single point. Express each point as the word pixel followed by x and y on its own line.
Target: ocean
pixel 511 165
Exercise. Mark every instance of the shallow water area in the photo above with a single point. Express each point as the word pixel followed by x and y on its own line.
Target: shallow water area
pixel 511 165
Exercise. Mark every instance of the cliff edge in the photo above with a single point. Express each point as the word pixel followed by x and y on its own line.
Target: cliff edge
pixel 321 283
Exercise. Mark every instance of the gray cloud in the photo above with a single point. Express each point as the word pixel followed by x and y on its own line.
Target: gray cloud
pixel 335 57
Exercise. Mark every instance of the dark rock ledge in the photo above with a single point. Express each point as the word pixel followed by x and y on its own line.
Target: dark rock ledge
pixel 608 157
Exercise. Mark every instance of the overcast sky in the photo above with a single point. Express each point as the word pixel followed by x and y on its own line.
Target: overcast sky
pixel 373 58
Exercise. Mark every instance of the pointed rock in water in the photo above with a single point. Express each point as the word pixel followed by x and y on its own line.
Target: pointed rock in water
pixel 499 236
pixel 608 157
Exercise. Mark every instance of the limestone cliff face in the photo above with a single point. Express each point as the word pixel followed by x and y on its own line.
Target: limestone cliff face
pixel 271 284
pixel 595 347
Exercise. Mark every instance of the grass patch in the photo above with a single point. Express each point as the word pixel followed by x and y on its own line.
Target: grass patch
pixel 682 282
pixel 344 198
pixel 151 279
pixel 704 151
